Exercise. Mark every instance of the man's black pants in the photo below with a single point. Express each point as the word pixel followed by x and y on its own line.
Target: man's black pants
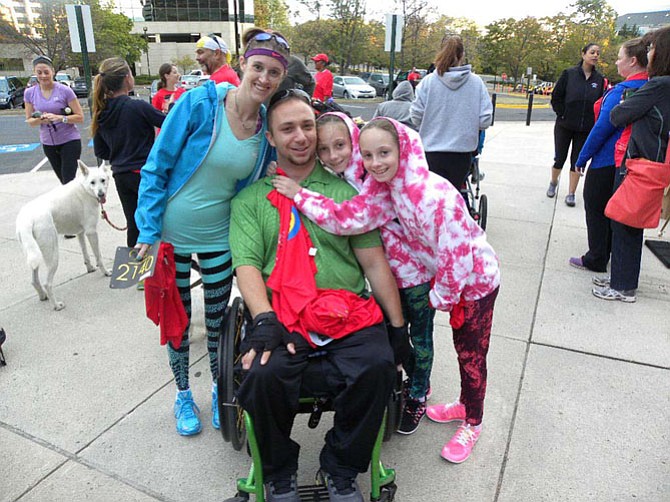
pixel 360 370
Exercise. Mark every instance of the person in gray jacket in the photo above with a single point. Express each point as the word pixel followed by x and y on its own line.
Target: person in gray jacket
pixel 398 109
pixel 459 107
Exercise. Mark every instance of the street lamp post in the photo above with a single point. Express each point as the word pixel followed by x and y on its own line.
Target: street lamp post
pixel 146 39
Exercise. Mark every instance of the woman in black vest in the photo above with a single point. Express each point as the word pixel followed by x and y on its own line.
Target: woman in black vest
pixel 577 89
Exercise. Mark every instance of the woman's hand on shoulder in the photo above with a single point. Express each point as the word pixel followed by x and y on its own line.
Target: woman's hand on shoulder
pixel 286 186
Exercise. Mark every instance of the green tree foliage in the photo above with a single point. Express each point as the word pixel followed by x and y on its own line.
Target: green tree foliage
pixel 272 14
pixel 184 64
pixel 52 36
pixel 348 14
pixel 512 45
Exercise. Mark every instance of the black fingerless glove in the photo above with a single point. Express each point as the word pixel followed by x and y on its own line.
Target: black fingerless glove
pixel 399 339
pixel 266 333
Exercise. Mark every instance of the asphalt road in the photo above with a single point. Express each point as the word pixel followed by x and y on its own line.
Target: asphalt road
pixel 20 149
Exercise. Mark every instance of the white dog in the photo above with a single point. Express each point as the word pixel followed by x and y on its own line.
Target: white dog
pixel 68 209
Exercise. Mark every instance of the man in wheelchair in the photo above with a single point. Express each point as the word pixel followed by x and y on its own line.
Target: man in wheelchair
pixel 359 362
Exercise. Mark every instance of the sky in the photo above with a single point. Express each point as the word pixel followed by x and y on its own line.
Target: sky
pixel 485 11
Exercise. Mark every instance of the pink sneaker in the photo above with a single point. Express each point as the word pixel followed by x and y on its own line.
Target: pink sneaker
pixel 443 413
pixel 459 447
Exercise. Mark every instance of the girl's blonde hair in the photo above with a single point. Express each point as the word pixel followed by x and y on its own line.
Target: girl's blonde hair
pixel 113 73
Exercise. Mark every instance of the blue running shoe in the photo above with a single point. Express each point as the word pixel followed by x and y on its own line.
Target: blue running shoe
pixel 215 407
pixel 186 412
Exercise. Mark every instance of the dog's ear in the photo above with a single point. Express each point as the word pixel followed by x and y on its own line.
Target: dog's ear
pixel 83 168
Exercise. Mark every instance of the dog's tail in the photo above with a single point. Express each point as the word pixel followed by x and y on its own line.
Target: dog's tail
pixel 24 232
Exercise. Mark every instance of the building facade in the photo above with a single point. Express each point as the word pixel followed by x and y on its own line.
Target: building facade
pixel 172 27
pixel 643 21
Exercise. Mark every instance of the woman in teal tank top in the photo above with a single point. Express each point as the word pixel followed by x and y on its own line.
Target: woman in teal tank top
pixel 211 145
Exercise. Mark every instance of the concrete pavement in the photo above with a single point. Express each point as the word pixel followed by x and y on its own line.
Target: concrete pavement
pixel 578 401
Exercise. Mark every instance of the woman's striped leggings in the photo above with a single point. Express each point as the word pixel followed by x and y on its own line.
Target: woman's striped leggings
pixel 217 278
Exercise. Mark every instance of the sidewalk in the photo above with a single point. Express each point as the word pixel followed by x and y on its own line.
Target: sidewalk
pixel 578 401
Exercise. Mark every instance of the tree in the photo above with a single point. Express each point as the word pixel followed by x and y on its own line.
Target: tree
pixel 511 45
pixel 272 14
pixel 186 63
pixel 348 14
pixel 52 37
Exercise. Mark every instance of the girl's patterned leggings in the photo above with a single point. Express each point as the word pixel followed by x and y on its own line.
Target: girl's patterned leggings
pixel 419 315
pixel 217 279
pixel 471 342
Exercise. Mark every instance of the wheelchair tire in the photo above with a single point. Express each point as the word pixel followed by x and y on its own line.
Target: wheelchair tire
pixel 230 376
pixel 394 409
pixel 483 211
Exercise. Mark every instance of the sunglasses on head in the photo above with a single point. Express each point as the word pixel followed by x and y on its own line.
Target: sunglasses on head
pixel 280 96
pixel 216 40
pixel 264 37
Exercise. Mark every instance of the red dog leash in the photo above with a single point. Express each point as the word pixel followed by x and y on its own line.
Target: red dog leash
pixel 106 218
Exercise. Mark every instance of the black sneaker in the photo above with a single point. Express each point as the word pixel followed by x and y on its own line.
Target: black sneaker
pixel 342 489
pixel 282 490
pixel 412 414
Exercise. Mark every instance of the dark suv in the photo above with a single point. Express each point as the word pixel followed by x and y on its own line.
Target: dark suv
pixel 11 92
pixel 80 88
pixel 380 82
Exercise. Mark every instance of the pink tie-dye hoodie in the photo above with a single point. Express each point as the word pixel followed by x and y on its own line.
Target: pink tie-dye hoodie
pixel 433 216
pixel 407 270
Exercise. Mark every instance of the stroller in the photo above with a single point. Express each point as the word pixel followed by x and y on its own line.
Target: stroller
pixel 477 204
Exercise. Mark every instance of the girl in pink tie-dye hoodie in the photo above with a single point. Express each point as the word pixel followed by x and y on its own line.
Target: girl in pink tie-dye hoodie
pixel 444 238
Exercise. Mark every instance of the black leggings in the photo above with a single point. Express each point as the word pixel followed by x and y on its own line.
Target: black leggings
pixel 562 139
pixel 128 187
pixel 63 159
pixel 452 166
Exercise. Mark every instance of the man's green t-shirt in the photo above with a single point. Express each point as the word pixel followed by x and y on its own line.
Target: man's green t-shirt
pixel 254 233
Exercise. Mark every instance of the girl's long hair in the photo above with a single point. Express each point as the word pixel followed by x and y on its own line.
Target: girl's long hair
pixel 113 73
pixel 451 54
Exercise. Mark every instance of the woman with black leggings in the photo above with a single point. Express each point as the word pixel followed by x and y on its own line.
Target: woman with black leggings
pixel 55 109
pixel 123 132
pixel 573 97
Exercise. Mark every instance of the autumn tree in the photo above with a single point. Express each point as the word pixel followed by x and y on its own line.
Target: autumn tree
pixel 272 14
pixel 52 37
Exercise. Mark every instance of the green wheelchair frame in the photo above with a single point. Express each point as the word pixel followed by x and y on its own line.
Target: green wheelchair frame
pixel 238 429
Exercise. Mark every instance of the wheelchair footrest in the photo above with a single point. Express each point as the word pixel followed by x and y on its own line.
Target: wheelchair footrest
pixel 313 493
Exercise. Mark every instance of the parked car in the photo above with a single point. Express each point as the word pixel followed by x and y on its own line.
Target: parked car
pixel 11 92
pixel 31 81
pixel 80 87
pixel 202 80
pixel 189 81
pixel 352 87
pixel 380 82
pixel 64 78
pixel 199 73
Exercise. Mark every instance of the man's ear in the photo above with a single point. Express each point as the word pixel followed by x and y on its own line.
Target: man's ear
pixel 268 135
pixel 243 64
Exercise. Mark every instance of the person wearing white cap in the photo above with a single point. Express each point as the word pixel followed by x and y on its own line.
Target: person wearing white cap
pixel 324 78
pixel 212 53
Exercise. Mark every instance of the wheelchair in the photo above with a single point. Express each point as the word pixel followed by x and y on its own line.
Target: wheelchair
pixel 477 204
pixel 237 426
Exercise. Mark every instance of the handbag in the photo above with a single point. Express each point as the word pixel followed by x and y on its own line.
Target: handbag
pixel 638 200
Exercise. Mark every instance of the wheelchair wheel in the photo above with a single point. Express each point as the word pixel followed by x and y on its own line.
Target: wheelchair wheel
pixel 230 375
pixel 394 409
pixel 483 211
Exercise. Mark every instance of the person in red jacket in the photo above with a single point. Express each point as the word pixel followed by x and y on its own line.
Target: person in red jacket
pixel 413 77
pixel 324 78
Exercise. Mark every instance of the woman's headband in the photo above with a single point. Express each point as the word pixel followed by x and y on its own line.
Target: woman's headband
pixel 261 51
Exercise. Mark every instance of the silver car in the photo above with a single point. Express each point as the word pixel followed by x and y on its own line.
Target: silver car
pixel 352 87
pixel 189 81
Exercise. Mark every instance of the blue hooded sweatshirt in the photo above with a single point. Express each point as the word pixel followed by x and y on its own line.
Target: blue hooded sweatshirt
pixel 183 143
pixel 599 146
